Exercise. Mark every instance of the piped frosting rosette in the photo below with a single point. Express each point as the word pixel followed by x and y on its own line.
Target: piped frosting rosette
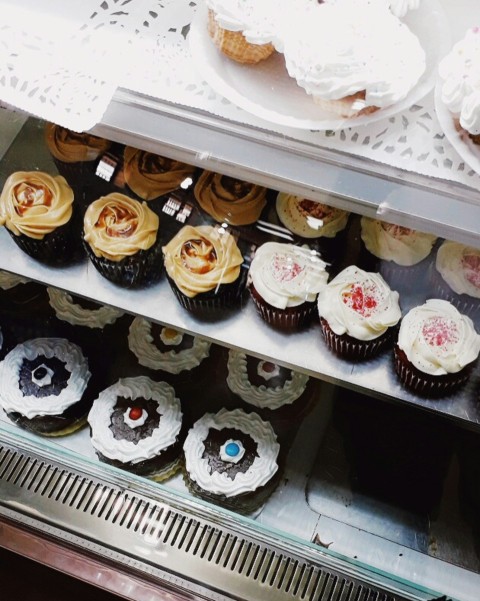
pixel 460 87
pixel 34 203
pixel 459 266
pixel 170 351
pixel 135 420
pixel 150 175
pixel 71 147
pixel 43 377
pixel 395 243
pixel 228 199
pixel 249 463
pixel 308 218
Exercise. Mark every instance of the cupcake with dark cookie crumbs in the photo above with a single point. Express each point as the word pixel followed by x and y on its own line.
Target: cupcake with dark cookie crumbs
pixel 122 240
pixel 231 458
pixel 279 395
pixel 229 200
pixel 436 350
pixel 37 210
pixel 136 425
pixel 456 277
pixel 358 313
pixel 150 176
pixel 45 386
pixel 284 282
pixel 204 268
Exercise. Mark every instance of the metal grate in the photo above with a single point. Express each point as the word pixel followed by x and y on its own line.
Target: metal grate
pixel 82 502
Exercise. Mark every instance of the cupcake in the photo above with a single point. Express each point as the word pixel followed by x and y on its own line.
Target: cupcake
pixel 352 57
pixel 229 200
pixel 436 350
pixel 456 277
pixel 37 210
pixel 284 281
pixel 150 176
pixel 279 395
pixel 122 240
pixel 136 425
pixel 44 386
pixel 403 252
pixel 243 31
pixel 231 458
pixel 458 73
pixel 204 268
pixel 358 313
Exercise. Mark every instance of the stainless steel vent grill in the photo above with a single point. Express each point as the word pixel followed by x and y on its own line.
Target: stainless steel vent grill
pixel 203 551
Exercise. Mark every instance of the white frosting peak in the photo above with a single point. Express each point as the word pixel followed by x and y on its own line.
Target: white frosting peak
pixel 71 312
pixel 459 266
pixel 400 7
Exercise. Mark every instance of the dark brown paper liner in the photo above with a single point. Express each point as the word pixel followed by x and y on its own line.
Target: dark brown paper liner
pixel 79 174
pixel 427 384
pixel 467 305
pixel 350 348
pixel 291 318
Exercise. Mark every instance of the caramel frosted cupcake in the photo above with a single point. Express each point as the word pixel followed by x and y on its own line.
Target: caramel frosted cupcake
pixel 358 312
pixel 37 210
pixel 203 265
pixel 437 348
pixel 229 200
pixel 149 175
pixel 76 155
pixel 284 281
pixel 456 277
pixel 404 253
pixel 121 239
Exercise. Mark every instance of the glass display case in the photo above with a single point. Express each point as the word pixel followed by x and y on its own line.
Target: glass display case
pixel 377 491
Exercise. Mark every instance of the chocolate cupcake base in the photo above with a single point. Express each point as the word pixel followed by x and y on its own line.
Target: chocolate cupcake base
pixel 291 318
pixel 425 384
pixel 350 348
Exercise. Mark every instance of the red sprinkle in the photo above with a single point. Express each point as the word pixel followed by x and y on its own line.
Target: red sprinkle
pixel 285 270
pixel 471 266
pixel 439 331
pixel 135 413
pixel 360 301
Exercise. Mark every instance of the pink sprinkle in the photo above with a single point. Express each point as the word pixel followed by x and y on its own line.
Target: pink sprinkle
pixel 438 331
pixel 471 266
pixel 285 269
pixel 360 300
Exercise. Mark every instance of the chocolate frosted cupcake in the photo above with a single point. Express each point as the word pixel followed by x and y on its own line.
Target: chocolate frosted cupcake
pixel 279 395
pixel 121 239
pixel 436 350
pixel 44 386
pixel 404 253
pixel 136 425
pixel 203 265
pixel 37 210
pixel 456 277
pixel 150 176
pixel 284 281
pixel 229 200
pixel 358 312
pixel 231 458
pixel 76 156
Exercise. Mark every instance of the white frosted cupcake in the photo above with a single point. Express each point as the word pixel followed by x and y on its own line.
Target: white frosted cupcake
pixel 456 277
pixel 284 281
pixel 460 87
pixel 358 312
pixel 81 312
pixel 437 348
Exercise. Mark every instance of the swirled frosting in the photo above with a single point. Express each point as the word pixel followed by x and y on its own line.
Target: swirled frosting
pixel 150 175
pixel 263 468
pixel 160 438
pixel 229 200
pixel 310 219
pixel 350 47
pixel 66 309
pixel 359 303
pixel 199 259
pixel 117 226
pixel 34 203
pixel 400 7
pixel 459 266
pixel 143 345
pixel 262 396
pixel 392 242
pixel 286 275
pixel 437 339
pixel 13 399
pixel 71 147
pixel 10 280
pixel 460 88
